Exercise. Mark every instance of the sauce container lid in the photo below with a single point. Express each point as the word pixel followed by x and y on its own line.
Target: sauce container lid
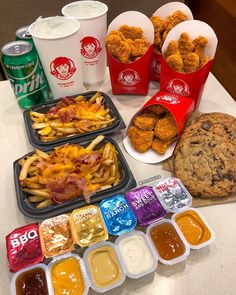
pixel 82 269
pixel 133 256
pixel 23 247
pixel 172 194
pixel 194 227
pixel 47 279
pixel 107 271
pixel 56 236
pixel 145 205
pixel 167 234
pixel 88 226
pixel 117 214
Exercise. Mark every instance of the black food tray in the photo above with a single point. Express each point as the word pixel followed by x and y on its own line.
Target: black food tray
pixel 28 209
pixel 34 138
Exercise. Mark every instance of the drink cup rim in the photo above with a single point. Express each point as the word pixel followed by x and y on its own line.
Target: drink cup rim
pixel 84 17
pixel 55 38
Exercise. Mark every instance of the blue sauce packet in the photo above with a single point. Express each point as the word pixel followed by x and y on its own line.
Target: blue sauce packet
pixel 117 214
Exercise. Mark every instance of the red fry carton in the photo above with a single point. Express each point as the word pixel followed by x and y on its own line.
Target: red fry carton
pixel 188 84
pixel 131 78
pixel 180 108
pixel 163 12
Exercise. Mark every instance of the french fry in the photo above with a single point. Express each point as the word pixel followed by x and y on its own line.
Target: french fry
pixel 26 165
pixel 41 192
pixel 42 154
pixel 36 199
pixel 95 142
pixel 44 204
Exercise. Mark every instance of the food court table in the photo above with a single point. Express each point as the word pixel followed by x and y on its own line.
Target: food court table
pixel 209 271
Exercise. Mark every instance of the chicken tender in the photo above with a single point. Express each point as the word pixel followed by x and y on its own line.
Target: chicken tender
pixel 185 45
pixel 172 48
pixel 166 128
pixel 200 45
pixel 159 27
pixel 140 140
pixel 131 32
pixel 118 48
pixel 174 19
pixel 145 121
pixel 204 60
pixel 191 62
pixel 138 47
pixel 175 62
pixel 157 109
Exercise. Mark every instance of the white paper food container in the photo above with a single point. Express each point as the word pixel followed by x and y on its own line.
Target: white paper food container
pixel 177 259
pixel 204 244
pixel 82 267
pixel 85 258
pixel 150 250
pixel 40 265
pixel 169 8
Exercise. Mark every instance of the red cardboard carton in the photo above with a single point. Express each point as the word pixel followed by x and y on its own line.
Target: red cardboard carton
pixel 131 78
pixel 163 12
pixel 180 108
pixel 188 84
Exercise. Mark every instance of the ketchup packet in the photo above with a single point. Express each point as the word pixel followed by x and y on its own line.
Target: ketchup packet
pixel 23 247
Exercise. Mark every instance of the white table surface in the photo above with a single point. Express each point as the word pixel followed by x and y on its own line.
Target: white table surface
pixel 209 271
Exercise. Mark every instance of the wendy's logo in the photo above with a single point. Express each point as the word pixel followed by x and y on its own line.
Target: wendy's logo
pixel 62 68
pixel 129 77
pixel 90 47
pixel 179 87
pixel 168 99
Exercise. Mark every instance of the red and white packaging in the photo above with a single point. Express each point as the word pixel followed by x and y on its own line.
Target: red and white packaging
pixel 180 108
pixel 163 12
pixel 131 78
pixel 23 247
pixel 188 84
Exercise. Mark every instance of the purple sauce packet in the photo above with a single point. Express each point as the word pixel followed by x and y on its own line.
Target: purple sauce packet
pixel 145 205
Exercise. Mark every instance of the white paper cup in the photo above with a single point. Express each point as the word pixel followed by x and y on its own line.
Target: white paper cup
pixel 92 16
pixel 57 42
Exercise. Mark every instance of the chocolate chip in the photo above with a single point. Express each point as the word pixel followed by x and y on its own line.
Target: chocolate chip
pixel 230 177
pixel 194 142
pixel 206 126
pixel 198 153
pixel 212 144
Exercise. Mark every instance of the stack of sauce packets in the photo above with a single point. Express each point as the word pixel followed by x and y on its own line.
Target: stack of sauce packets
pixel 105 265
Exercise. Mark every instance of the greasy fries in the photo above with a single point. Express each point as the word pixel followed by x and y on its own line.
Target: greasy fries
pixel 69 172
pixel 72 116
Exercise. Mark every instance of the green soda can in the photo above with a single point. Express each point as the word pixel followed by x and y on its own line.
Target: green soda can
pixel 23 34
pixel 24 70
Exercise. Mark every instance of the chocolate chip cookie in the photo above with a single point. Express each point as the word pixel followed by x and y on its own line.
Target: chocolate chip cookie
pixel 205 157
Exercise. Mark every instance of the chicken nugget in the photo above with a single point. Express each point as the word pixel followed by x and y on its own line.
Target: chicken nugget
pixel 140 140
pixel 161 146
pixel 145 121
pixel 185 45
pixel 204 60
pixel 138 47
pixel 166 128
pixel 118 48
pixel 191 62
pixel 158 109
pixel 200 44
pixel 158 23
pixel 172 48
pixel 131 32
pixel 175 62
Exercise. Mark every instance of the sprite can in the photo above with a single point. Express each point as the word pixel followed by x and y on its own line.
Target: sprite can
pixel 24 71
pixel 23 34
